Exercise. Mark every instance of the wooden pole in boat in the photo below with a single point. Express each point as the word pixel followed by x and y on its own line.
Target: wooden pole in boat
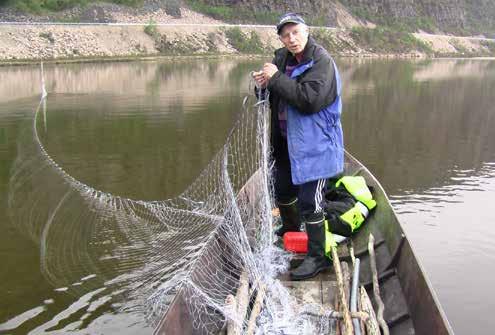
pixel 358 315
pixel 238 306
pixel 372 327
pixel 362 324
pixel 338 315
pixel 343 299
pixel 231 305
pixel 346 277
pixel 362 328
pixel 376 287
pixel 258 304
pixel 351 252
pixel 337 308
pixel 242 297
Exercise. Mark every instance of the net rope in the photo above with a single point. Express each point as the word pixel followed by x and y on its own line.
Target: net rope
pixel 143 256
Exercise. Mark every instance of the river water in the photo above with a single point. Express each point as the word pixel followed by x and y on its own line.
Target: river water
pixel 145 130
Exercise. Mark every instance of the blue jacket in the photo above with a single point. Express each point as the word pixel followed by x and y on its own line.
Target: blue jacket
pixel 313 96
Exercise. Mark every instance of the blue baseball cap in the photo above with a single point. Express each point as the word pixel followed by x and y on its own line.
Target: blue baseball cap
pixel 289 18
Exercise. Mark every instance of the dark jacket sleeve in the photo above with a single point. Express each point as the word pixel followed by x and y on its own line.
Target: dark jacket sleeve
pixel 315 89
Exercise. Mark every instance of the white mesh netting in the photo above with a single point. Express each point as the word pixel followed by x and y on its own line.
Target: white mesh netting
pixel 147 255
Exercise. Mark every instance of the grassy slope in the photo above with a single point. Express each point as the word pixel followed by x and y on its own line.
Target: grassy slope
pixel 41 6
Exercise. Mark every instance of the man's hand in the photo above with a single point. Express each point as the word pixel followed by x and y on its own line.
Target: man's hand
pixel 260 79
pixel 269 70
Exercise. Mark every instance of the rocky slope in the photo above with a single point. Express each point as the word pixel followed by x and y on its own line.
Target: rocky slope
pixel 447 16
pixel 103 12
pixel 459 17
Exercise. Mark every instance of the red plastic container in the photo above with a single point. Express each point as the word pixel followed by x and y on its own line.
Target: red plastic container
pixel 296 242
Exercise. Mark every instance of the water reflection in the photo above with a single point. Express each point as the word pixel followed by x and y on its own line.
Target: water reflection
pixel 446 69
pixel 450 226
pixel 413 134
pixel 146 129
pixel 183 79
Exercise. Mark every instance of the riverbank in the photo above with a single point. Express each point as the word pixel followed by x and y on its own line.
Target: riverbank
pixel 102 30
pixel 25 43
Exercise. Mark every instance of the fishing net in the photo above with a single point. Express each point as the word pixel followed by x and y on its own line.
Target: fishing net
pixel 211 243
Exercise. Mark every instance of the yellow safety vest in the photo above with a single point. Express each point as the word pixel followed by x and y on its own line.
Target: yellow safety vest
pixel 356 186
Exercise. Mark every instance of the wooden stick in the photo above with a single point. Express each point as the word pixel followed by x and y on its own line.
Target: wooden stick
pixel 242 297
pixel 351 251
pixel 346 276
pixel 238 305
pixel 353 258
pixel 360 308
pixel 232 328
pixel 343 300
pixel 338 315
pixel 372 327
pixel 336 308
pixel 360 315
pixel 376 287
pixel 258 304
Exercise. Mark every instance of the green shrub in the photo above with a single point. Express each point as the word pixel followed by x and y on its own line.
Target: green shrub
pixel 326 39
pixel 211 42
pixel 151 30
pixel 411 24
pixel 181 47
pixel 490 45
pixel 426 24
pixel 234 14
pixel 244 44
pixel 40 6
pixel 132 3
pixel 388 40
pixel 49 36
pixel 459 47
pixel 172 8
pixel 318 21
pixel 363 13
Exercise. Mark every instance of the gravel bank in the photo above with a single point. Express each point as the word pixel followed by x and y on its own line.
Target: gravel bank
pixel 51 42
pixel 180 36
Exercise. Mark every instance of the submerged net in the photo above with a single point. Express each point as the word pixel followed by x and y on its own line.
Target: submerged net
pixel 143 257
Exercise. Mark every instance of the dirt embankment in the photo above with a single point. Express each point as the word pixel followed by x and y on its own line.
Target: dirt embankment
pixel 52 42
pixel 192 33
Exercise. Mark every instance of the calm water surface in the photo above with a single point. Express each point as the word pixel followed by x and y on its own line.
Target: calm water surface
pixel 145 130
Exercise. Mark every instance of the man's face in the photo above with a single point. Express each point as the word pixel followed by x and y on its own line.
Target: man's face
pixel 294 37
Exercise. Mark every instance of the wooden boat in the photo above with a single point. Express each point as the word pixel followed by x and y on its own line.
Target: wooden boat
pixel 411 306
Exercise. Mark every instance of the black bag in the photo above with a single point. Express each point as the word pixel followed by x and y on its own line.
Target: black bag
pixel 337 201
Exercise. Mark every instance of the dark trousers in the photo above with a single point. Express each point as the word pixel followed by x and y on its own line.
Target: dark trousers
pixel 309 195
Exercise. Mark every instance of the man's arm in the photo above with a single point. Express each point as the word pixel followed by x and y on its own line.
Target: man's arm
pixel 316 89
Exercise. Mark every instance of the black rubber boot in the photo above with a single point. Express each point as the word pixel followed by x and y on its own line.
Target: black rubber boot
pixel 315 260
pixel 289 213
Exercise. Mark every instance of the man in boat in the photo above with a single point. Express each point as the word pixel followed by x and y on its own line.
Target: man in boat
pixel 306 134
